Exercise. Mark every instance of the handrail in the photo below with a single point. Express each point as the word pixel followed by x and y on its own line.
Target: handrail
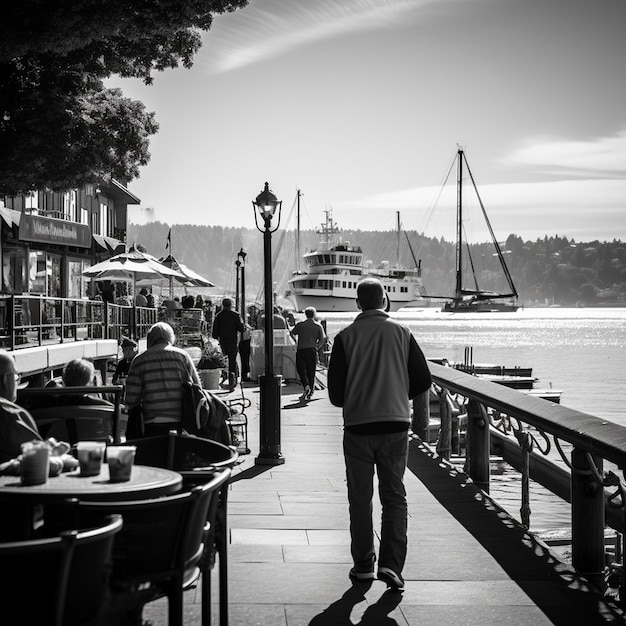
pixel 597 498
pixel 595 435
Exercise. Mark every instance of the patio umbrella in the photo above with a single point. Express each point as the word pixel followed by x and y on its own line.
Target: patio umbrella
pixel 192 279
pixel 130 267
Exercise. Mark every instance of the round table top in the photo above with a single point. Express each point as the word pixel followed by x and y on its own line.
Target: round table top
pixel 145 482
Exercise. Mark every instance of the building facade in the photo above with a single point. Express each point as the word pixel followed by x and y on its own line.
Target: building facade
pixel 49 238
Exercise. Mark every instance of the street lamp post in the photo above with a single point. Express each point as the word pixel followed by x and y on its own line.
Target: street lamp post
pixel 238 272
pixel 242 256
pixel 265 206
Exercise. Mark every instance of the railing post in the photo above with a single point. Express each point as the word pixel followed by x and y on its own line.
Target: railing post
pixel 587 518
pixel 444 442
pixel 421 415
pixel 477 444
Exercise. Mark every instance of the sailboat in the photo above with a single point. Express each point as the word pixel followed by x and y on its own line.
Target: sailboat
pixel 468 299
pixel 335 267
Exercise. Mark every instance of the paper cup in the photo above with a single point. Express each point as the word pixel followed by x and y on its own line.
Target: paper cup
pixel 35 463
pixel 120 460
pixel 90 455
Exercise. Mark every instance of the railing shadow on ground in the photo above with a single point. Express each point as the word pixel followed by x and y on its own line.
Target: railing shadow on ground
pixel 524 558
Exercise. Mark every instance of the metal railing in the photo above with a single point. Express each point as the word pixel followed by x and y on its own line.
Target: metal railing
pixel 27 321
pixel 523 429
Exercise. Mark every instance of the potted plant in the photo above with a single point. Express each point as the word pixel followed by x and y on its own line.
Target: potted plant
pixel 211 364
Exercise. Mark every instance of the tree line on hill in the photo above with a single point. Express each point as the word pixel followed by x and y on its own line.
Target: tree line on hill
pixel 550 271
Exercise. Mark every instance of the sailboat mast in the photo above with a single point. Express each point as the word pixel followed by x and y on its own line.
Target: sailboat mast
pixel 398 239
pixel 459 224
pixel 298 256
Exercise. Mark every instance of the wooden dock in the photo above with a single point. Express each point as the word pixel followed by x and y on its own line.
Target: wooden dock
pixel 468 562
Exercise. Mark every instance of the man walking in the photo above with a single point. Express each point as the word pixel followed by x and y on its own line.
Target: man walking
pixel 226 325
pixel 310 336
pixel 375 368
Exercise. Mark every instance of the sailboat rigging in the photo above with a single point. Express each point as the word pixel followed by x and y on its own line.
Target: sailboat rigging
pixel 475 299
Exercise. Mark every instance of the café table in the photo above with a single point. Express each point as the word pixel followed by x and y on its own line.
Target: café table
pixel 25 500
pixel 145 482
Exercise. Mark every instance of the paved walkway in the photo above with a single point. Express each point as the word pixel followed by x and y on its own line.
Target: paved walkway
pixel 468 562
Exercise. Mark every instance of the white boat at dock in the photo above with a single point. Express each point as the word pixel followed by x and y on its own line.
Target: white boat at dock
pixel 334 269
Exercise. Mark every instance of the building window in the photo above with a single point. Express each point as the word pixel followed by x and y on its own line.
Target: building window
pixel 104 219
pixel 14 271
pixel 78 285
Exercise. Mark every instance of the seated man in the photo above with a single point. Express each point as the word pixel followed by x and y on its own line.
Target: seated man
pixel 80 373
pixel 16 424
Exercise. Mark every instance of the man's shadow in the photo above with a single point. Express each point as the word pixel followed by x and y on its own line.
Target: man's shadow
pixel 377 614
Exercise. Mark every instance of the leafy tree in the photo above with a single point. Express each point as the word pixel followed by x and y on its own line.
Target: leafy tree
pixel 59 126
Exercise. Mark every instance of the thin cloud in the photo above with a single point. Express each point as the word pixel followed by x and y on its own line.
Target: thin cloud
pixel 603 156
pixel 255 34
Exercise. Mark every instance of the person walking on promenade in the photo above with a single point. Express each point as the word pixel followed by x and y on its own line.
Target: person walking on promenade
pixel 155 382
pixel 375 368
pixel 226 325
pixel 310 336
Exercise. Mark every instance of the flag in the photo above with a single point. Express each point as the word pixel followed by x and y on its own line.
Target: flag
pixel 168 243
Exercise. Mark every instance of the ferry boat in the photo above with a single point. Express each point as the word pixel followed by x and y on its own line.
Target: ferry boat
pixel 335 268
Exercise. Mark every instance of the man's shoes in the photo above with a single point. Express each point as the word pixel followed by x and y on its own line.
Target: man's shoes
pixel 305 394
pixel 361 577
pixel 310 394
pixel 393 580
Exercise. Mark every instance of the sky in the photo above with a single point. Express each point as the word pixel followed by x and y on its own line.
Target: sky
pixel 361 104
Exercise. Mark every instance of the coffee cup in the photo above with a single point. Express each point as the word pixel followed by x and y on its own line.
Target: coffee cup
pixel 35 463
pixel 120 460
pixel 90 455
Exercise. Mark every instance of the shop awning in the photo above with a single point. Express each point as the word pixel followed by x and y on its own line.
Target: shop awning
pixel 11 217
pixel 110 244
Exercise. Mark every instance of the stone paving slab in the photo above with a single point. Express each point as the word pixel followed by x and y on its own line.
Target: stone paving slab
pixel 468 562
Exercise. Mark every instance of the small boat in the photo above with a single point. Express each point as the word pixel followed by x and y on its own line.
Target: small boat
pixel 334 269
pixel 474 299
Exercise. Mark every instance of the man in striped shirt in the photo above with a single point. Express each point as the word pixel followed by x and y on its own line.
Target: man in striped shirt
pixel 155 381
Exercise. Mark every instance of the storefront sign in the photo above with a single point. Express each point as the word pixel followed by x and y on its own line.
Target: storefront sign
pixel 48 230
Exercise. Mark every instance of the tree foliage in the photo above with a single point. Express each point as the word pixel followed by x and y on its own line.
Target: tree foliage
pixel 59 126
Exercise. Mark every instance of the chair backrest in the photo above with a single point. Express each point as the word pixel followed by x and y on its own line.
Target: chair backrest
pixel 183 452
pixel 76 422
pixel 88 580
pixel 161 536
pixel 35 569
pixel 42 577
pixel 49 410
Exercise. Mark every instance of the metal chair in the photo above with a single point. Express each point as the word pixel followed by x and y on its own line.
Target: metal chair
pixel 160 551
pixel 58 580
pixel 197 459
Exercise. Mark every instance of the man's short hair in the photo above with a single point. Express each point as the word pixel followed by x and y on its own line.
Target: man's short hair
pixel 227 303
pixel 78 373
pixel 370 294
pixel 159 333
pixel 310 312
